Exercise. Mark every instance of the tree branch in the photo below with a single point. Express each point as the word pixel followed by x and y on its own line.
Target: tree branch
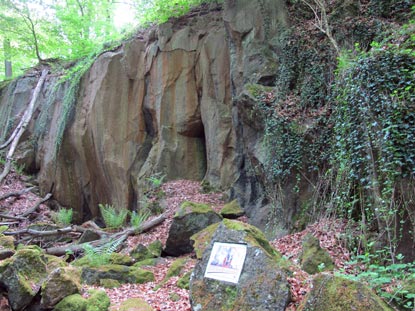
pixel 16 193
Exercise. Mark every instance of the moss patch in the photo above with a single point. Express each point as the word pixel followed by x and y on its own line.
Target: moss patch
pixel 98 301
pixel 71 303
pixel 121 259
pixel 146 262
pixel 202 239
pixel 334 293
pixel 192 207
pixel 109 283
pixel 6 242
pixel 141 276
pixel 155 248
pixel 184 281
pixel 232 210
pixel 174 270
pixel 314 258
pixel 134 304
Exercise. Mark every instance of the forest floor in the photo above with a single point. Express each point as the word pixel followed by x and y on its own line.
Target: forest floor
pixel 169 296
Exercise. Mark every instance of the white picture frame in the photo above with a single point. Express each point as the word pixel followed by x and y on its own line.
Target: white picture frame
pixel 226 262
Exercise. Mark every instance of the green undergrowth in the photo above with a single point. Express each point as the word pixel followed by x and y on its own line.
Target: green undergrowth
pixel 394 282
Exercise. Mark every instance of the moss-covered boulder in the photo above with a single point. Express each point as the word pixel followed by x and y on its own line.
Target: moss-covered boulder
pixel 313 258
pixel 156 248
pixel 334 293
pixel 71 303
pixel 6 242
pixel 22 275
pixel 61 283
pixel 98 301
pixel 188 220
pixel 133 304
pixel 120 273
pixel 263 281
pixel 141 252
pixel 121 259
pixel 232 210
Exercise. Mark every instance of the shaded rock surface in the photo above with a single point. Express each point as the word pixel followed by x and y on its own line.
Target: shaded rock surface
pixel 232 210
pixel 60 283
pixel 22 275
pixel 262 284
pixel 314 258
pixel 123 274
pixel 163 103
pixel 188 220
pixel 333 293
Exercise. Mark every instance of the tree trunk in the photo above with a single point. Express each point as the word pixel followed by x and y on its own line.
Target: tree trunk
pixel 7 58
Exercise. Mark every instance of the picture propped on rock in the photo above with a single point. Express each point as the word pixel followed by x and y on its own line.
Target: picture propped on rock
pixel 226 262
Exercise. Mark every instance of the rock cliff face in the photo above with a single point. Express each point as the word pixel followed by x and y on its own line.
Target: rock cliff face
pixel 170 101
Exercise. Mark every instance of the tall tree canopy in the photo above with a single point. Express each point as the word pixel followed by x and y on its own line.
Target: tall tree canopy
pixel 32 31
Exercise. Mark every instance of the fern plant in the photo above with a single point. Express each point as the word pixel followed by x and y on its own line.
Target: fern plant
pixel 113 218
pixel 63 216
pixel 137 218
pixel 99 256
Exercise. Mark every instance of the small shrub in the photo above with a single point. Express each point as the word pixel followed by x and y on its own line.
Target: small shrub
pixel 63 216
pixel 113 218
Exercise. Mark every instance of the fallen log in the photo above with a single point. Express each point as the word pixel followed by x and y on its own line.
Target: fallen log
pixel 15 193
pixel 79 248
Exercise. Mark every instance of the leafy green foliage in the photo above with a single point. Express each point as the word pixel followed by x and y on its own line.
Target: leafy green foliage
pixel 38 30
pixel 137 218
pixel 391 282
pixel 159 11
pixel 63 216
pixel 113 218
pixel 374 128
pixel 98 256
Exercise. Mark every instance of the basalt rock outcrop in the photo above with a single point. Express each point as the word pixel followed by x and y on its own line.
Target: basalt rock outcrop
pixel 164 101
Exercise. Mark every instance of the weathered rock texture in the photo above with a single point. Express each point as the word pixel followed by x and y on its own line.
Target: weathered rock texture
pixel 333 293
pixel 262 284
pixel 188 220
pixel 166 101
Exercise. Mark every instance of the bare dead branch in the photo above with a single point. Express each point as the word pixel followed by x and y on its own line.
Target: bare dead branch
pixel 26 119
pixel 36 206
pixel 78 248
pixel 15 193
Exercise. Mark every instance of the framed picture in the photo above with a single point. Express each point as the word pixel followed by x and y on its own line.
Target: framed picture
pixel 226 262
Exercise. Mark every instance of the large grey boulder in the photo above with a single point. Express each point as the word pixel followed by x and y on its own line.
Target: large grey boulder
pixel 263 281
pixel 61 283
pixel 188 220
